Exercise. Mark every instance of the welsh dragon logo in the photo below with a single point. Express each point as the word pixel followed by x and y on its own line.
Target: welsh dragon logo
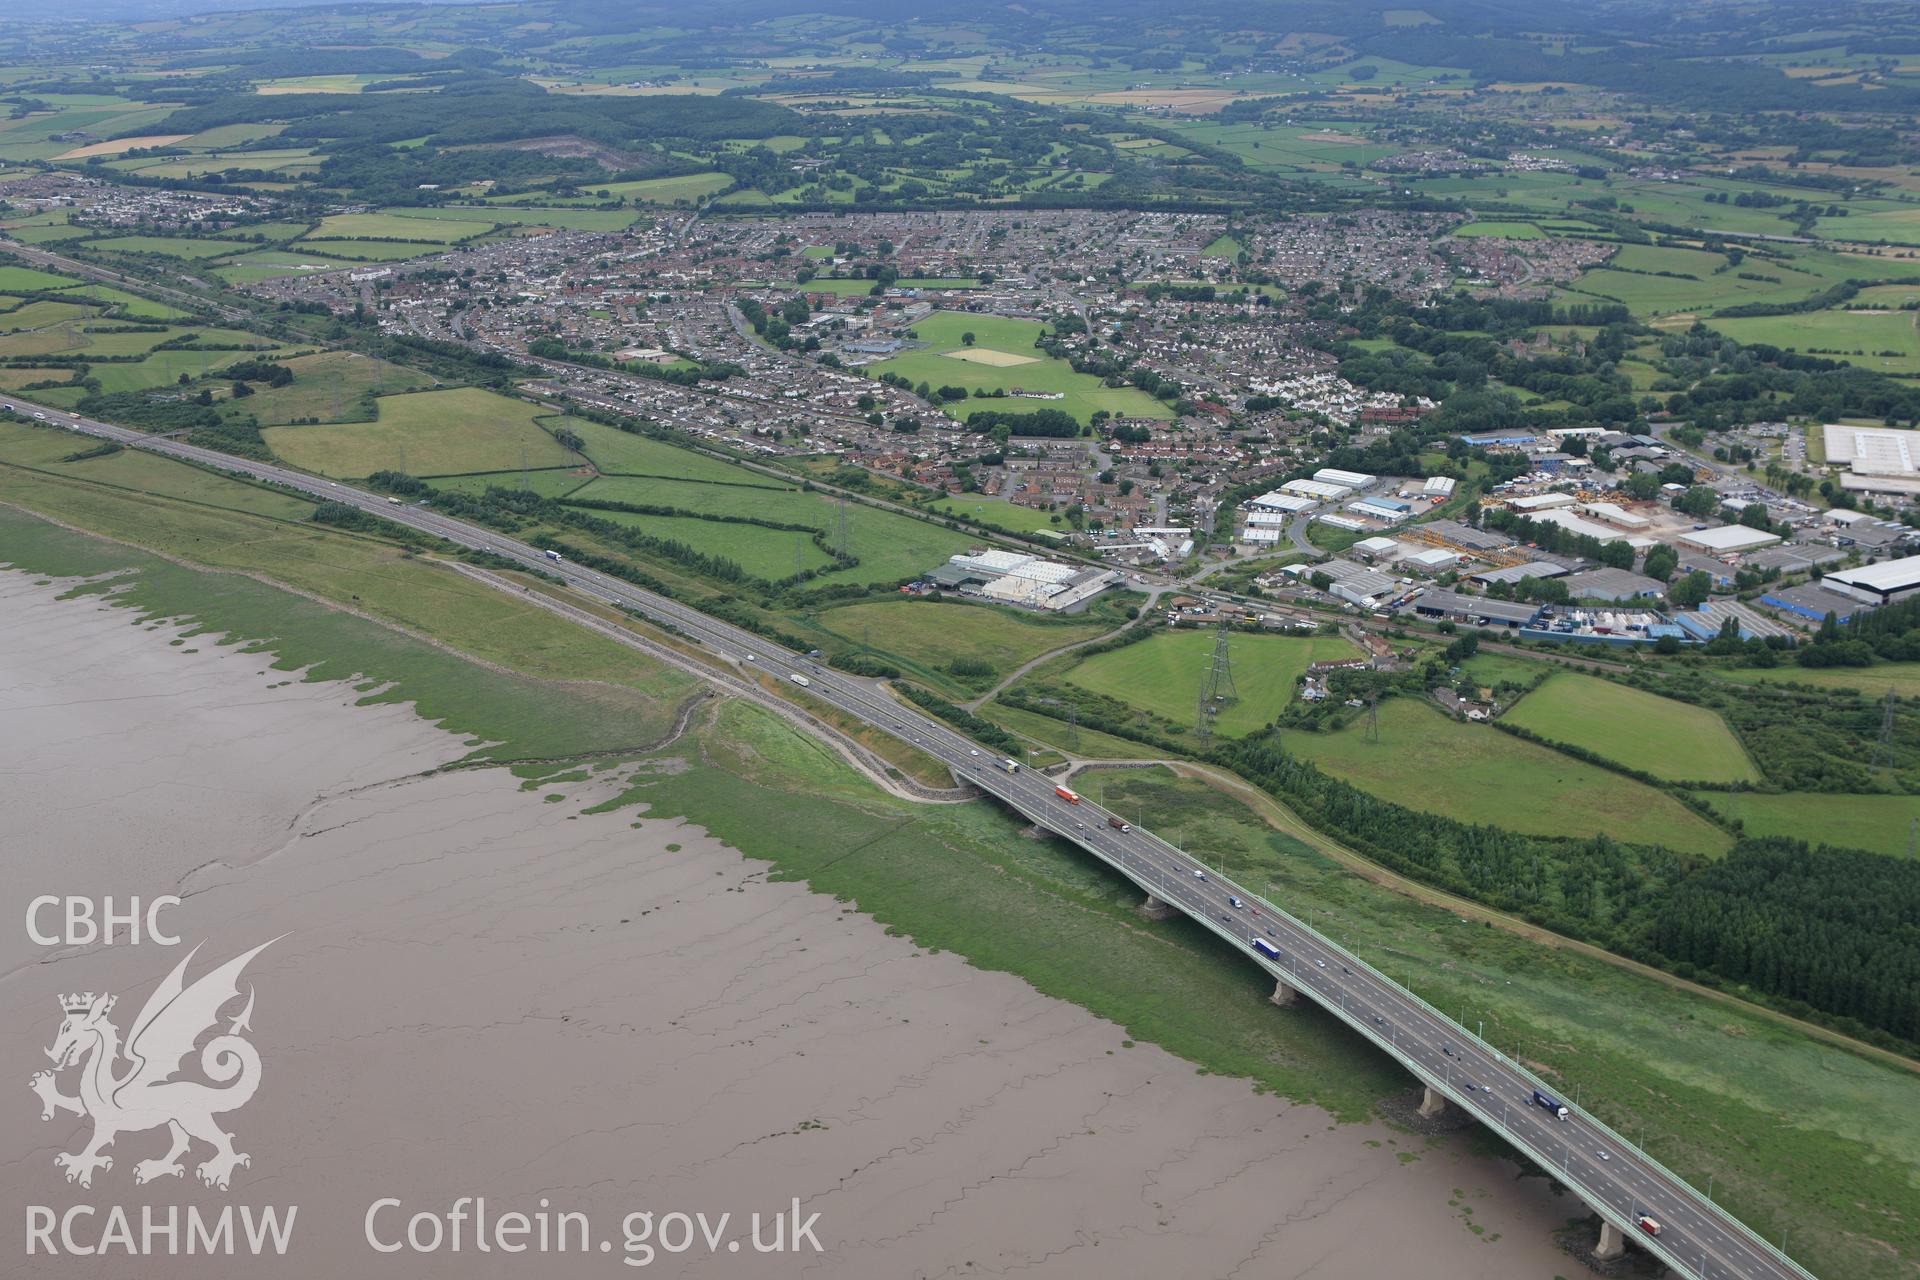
pixel 132 1087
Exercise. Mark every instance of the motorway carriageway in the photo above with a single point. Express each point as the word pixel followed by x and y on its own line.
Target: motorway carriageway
pixel 1697 1238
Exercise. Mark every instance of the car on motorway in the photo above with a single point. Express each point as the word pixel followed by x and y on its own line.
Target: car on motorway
pixel 1447 1049
pixel 972 751
pixel 1603 1155
pixel 1321 963
pixel 750 658
pixel 1379 1021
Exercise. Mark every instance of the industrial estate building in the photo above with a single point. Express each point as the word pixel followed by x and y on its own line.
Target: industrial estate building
pixel 1008 577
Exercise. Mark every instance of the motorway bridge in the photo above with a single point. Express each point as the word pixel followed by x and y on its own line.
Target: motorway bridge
pixel 1696 1238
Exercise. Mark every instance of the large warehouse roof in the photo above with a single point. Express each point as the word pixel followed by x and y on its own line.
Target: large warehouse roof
pixel 1883 582
pixel 1729 537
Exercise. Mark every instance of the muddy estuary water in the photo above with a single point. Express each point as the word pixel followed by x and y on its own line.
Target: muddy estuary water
pixel 478 993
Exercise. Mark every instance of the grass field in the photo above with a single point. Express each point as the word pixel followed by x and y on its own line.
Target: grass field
pixel 26 279
pixel 388 226
pixel 1673 741
pixel 373 250
pixel 1000 513
pixel 131 305
pixel 48 447
pixel 1902 677
pixel 171 246
pixel 616 452
pixel 1884 341
pixel 1663 280
pixel 1471 773
pixel 494 215
pixel 329 386
pixel 890 547
pixel 1502 230
pixel 1087 743
pixel 772 554
pixel 163 368
pixel 1082 393
pixel 1881 823
pixel 426 433
pixel 555 482
pixel 931 634
pixel 1162 675
pixel 687 187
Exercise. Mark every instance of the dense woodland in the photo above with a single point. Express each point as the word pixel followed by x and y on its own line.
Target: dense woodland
pixel 1836 930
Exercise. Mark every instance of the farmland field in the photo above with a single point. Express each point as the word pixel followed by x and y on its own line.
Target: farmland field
pixel 26 279
pixel 1885 341
pixel 426 433
pixel 932 633
pixel 47 447
pixel 554 482
pixel 615 452
pixel 1671 740
pixel 328 386
pixel 1426 760
pixel 998 512
pixel 1081 393
pixel 171 246
pixel 1502 230
pixel 1162 675
pixel 163 368
pixel 423 225
pixel 890 547
pixel 1902 677
pixel 1883 824
pixel 772 554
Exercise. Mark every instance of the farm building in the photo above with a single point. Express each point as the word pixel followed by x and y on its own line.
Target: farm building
pixel 1727 539
pixel 1881 583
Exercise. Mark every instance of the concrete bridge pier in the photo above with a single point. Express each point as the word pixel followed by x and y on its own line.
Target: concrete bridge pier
pixel 1283 995
pixel 1612 1243
pixel 1433 1103
pixel 1154 909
